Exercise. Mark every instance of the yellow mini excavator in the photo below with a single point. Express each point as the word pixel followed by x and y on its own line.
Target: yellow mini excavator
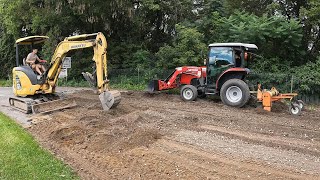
pixel 34 93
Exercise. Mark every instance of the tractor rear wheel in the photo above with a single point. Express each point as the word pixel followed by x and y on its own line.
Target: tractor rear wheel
pixel 235 93
pixel 189 93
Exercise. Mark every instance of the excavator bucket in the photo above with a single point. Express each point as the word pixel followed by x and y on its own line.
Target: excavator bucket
pixel 110 99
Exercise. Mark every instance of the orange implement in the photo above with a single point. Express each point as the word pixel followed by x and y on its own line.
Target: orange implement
pixel 269 96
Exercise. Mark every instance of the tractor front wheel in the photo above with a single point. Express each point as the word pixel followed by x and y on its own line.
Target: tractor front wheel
pixel 189 93
pixel 235 93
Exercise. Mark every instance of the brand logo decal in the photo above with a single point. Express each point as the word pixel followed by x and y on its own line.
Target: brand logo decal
pixel 78 46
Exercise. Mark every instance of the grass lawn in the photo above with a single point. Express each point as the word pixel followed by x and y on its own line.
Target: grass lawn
pixel 5 83
pixel 21 157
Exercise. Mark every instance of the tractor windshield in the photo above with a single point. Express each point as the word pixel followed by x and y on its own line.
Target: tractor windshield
pixel 221 56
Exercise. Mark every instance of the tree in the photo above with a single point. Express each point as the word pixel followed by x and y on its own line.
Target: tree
pixel 310 17
pixel 7 53
pixel 269 33
pixel 308 77
pixel 257 7
pixel 145 32
pixel 187 49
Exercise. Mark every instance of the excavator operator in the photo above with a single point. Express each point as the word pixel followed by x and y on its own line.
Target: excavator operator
pixel 34 61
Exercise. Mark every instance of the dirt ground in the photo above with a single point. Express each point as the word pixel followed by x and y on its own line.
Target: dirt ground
pixel 161 137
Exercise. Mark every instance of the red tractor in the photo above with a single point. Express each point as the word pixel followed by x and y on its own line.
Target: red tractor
pixel 224 74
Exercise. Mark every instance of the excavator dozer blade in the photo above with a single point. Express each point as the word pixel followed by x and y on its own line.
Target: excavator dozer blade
pixel 110 99
pixel 51 106
pixel 36 106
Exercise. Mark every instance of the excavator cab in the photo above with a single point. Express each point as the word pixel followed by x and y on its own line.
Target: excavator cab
pixel 30 41
pixel 25 79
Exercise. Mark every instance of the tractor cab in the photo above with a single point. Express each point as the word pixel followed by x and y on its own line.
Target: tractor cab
pixel 226 69
pixel 227 58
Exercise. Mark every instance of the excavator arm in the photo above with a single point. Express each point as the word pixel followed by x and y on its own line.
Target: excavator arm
pixel 99 45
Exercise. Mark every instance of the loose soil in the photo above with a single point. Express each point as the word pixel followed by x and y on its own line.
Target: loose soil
pixel 161 137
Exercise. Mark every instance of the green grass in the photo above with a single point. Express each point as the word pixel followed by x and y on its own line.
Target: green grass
pixel 5 83
pixel 129 83
pixel 128 86
pixel 72 83
pixel 125 84
pixel 21 157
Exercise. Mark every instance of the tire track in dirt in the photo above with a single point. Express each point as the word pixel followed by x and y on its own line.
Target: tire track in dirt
pixel 238 149
pixel 267 140
pixel 260 128
pixel 249 122
pixel 180 168
pixel 225 164
pixel 88 170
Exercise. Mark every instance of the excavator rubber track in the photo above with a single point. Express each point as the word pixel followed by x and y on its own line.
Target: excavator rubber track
pixel 24 106
pixel 37 106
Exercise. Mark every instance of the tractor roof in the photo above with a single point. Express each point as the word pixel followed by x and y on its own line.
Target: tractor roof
pixel 248 46
pixel 31 40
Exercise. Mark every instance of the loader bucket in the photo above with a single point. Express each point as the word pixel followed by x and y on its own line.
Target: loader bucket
pixel 110 99
pixel 153 86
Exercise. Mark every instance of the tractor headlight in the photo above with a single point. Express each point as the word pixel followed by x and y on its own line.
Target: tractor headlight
pixel 18 83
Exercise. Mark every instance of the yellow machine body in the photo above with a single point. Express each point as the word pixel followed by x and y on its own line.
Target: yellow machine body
pixel 28 83
pixel 22 85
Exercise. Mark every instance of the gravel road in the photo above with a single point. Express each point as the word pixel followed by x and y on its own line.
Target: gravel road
pixel 21 118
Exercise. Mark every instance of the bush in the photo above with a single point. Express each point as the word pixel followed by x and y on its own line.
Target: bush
pixel 308 77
